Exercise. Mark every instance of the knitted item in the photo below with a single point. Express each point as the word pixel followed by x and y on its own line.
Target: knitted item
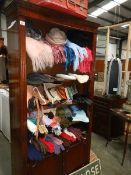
pixel 68 137
pixel 34 154
pixel 40 54
pixel 50 146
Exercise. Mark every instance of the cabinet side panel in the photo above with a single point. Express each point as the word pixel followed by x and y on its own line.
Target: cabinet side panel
pixel 17 72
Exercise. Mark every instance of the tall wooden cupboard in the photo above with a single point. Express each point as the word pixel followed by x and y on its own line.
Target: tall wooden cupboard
pixel 77 155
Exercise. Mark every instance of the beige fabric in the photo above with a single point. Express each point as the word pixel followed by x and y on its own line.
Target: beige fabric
pixel 29 93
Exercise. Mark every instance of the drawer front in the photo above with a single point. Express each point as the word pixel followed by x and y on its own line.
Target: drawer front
pixel 73 7
pixel 75 158
pixel 49 166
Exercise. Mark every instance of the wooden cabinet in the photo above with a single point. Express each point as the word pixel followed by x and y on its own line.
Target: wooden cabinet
pixel 19 66
pixel 103 122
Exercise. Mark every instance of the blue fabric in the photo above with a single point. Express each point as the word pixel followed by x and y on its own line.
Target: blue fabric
pixel 80 116
pixel 70 56
pixel 74 108
pixel 34 154
pixel 80 53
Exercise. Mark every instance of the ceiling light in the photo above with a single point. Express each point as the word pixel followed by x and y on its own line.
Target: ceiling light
pixel 98 12
pixel 92 15
pixel 120 1
pixel 110 5
pixel 106 7
pixel 125 25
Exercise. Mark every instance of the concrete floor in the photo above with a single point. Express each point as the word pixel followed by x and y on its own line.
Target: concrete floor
pixel 5 156
pixel 109 156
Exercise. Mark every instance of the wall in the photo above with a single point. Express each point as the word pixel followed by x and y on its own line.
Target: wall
pixel 3 26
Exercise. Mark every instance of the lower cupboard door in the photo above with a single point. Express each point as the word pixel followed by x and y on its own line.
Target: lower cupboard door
pixel 75 158
pixel 49 166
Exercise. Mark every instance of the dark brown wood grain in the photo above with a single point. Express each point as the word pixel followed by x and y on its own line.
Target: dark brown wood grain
pixel 19 66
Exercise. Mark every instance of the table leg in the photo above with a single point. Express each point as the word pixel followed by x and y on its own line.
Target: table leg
pixel 109 129
pixel 125 144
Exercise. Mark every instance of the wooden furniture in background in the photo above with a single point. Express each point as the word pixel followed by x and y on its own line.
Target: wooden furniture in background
pixel 126 118
pixel 78 154
pixel 103 122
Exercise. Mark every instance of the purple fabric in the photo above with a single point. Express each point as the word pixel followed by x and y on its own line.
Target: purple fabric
pixel 55 139
pixel 57 143
pixel 77 132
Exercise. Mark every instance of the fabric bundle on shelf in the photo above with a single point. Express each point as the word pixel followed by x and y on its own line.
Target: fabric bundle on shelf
pixel 85 64
pixel 58 53
pixel 40 54
pixel 80 53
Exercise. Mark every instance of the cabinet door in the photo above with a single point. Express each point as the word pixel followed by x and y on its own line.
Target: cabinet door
pixel 74 158
pixel 49 166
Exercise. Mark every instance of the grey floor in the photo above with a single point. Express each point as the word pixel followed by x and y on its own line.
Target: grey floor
pixel 5 158
pixel 109 156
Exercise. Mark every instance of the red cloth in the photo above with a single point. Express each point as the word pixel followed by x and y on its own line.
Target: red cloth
pixel 50 146
pixel 85 65
pixel 67 137
pixel 54 122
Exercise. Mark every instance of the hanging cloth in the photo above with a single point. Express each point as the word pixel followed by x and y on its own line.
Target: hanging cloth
pixel 114 77
pixel 80 53
pixel 85 64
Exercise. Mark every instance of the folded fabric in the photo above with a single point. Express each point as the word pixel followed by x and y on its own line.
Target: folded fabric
pixel 55 139
pixel 82 99
pixel 68 137
pixel 57 130
pixel 80 53
pixel 54 94
pixel 49 145
pixel 34 154
pixel 54 122
pixel 67 112
pixel 49 96
pixel 58 53
pixel 46 120
pixel 34 114
pixel 85 64
pixel 66 142
pixel 69 133
pixel 67 94
pixel 70 93
pixel 70 56
pixel 57 147
pixel 32 119
pixel 77 132
pixel 31 126
pixel 64 122
pixel 74 108
pixel 80 78
pixel 66 77
pixel 80 116
pixel 38 145
pixel 39 78
pixel 61 92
